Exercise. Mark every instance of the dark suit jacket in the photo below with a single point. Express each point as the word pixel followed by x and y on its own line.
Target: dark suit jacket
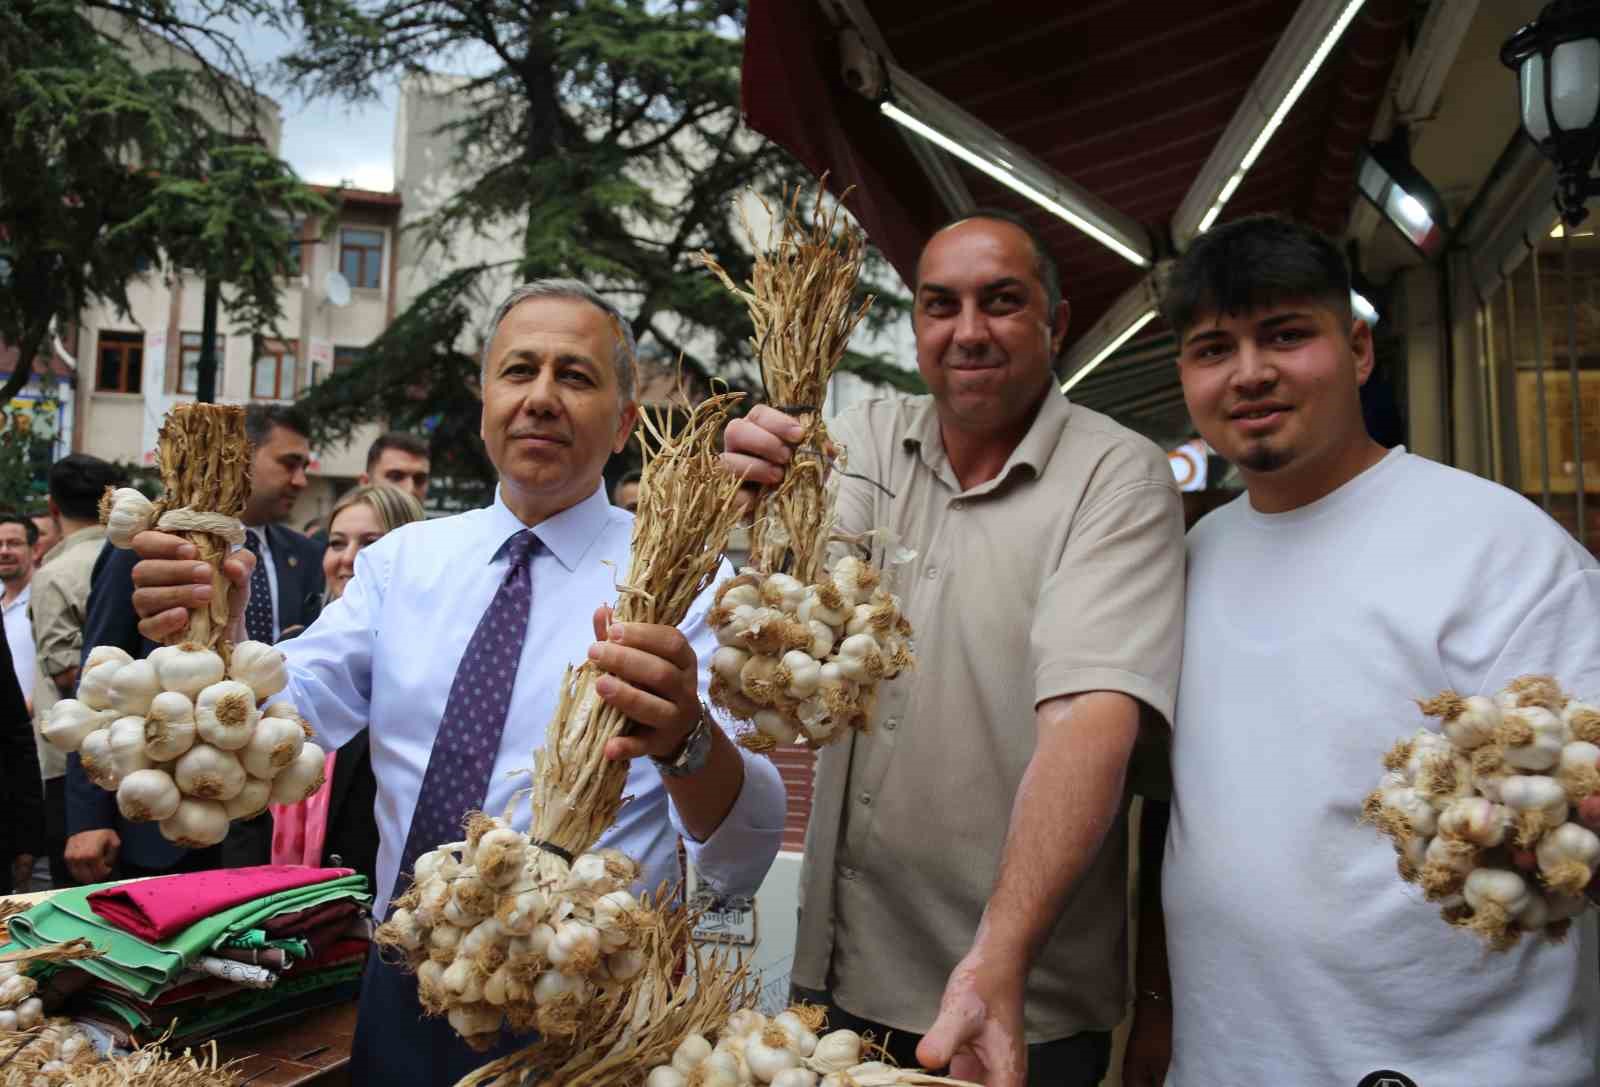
pixel 22 829
pixel 112 621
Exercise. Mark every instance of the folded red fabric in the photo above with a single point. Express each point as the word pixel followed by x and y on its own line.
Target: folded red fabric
pixel 160 908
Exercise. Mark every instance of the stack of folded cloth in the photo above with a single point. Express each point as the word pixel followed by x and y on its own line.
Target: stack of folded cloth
pixel 207 953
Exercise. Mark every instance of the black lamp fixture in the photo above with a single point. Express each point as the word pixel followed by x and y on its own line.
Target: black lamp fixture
pixel 1557 61
pixel 1403 195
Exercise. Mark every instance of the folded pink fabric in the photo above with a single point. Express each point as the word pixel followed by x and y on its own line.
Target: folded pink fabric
pixel 156 909
pixel 299 831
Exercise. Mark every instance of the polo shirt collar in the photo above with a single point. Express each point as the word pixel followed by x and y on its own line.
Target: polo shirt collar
pixel 1033 452
pixel 567 535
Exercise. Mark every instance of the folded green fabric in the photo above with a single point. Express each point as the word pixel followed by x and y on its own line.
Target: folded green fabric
pixel 142 968
pixel 204 1016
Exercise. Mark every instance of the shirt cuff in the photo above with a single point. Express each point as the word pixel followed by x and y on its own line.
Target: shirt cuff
pixel 1055 682
pixel 735 858
pixel 57 661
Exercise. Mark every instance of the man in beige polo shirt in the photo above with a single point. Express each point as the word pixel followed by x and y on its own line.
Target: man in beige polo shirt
pixel 58 607
pixel 966 861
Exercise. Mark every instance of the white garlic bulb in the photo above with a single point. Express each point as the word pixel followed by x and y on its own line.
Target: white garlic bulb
pixel 260 667
pixel 70 721
pixel 133 686
pixel 188 668
pixel 130 514
pixel 225 714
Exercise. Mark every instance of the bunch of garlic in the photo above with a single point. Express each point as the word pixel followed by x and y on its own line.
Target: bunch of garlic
pixel 805 660
pixel 54 1055
pixel 20 1009
pixel 186 740
pixel 495 940
pixel 784 1051
pixel 1478 812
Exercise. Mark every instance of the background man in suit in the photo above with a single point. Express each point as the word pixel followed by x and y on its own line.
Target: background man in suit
pixel 286 595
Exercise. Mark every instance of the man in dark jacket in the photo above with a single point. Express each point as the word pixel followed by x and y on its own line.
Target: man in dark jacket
pixel 22 830
pixel 101 843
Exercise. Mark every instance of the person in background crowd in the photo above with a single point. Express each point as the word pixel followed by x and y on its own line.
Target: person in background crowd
pixel 313 529
pixel 1349 581
pixel 625 495
pixel 337 826
pixel 1047 596
pixel 22 833
pixel 18 535
pixel 450 643
pixel 59 608
pixel 49 535
pixel 286 594
pixel 400 460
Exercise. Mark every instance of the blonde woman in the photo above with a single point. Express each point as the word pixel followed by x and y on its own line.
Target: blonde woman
pixel 336 825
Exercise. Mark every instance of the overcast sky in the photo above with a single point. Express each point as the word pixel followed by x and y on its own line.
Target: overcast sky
pixel 328 142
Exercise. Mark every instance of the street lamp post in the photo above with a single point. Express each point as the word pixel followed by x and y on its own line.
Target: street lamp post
pixel 1557 61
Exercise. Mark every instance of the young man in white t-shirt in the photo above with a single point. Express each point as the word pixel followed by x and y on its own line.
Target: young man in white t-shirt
pixel 1347 582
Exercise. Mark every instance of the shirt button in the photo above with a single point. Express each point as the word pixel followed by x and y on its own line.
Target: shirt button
pixel 892 723
pixel 933 572
pixel 866 800
pixel 847 873
pixel 958 505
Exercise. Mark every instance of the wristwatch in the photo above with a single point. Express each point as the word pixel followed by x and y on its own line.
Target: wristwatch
pixel 691 757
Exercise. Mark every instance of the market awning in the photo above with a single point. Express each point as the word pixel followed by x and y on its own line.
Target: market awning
pixel 1129 112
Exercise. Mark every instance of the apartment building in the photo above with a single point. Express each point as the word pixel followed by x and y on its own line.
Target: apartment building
pixel 337 297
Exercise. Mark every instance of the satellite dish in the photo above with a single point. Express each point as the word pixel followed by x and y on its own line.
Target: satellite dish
pixel 336 289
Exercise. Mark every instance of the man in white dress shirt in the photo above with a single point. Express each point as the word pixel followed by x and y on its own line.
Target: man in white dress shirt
pixel 557 401
pixel 18 534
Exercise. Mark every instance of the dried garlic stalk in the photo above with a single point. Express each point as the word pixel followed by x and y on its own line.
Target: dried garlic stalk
pixel 687 507
pixel 800 300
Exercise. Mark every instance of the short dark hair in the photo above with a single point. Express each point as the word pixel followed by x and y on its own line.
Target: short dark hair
pixel 259 419
pixel 30 531
pixel 1254 263
pixel 396 439
pixel 78 481
pixel 1044 261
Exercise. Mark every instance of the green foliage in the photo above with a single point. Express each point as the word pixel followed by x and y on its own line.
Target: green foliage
pixel 606 133
pixel 127 150
pixel 26 436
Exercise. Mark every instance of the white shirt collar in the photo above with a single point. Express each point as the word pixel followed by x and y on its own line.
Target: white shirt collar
pixel 568 535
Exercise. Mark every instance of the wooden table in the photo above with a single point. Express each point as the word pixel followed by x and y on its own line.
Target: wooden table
pixel 313 1048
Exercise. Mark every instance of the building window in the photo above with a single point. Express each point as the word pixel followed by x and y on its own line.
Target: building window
pixel 295 265
pixel 361 256
pixel 344 357
pixel 189 362
pixel 121 362
pixel 273 374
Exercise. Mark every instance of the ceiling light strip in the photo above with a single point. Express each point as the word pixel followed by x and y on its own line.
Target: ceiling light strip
pixel 1109 349
pixel 1276 118
pixel 1004 175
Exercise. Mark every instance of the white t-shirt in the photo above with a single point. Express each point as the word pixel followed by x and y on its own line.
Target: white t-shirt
pixel 19 638
pixel 1298 956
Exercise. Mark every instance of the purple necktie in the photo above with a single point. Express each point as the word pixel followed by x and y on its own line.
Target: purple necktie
pixel 464 748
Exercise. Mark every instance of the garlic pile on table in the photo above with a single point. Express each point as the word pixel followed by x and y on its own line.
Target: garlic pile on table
pixel 499 932
pixel 751 1049
pixel 20 1009
pixel 187 740
pixel 785 1051
pixel 56 1054
pixel 804 661
pixel 1479 811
